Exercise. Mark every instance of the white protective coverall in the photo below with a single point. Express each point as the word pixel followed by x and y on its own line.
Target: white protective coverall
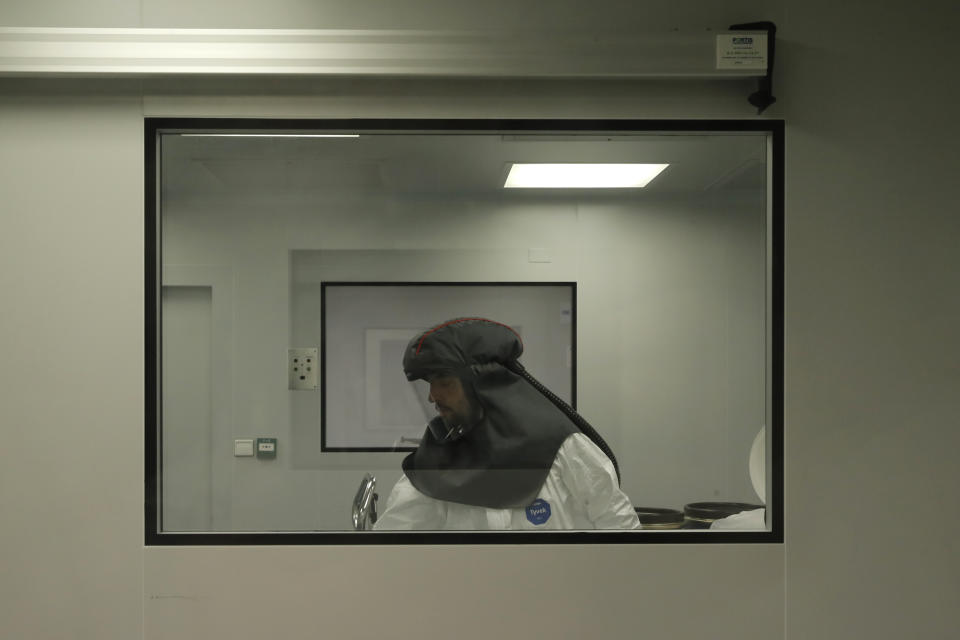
pixel 580 492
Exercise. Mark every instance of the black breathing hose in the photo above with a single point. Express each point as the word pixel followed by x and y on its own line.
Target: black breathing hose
pixel 571 413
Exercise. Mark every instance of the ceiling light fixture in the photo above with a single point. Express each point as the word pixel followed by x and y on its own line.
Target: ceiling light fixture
pixel 581 176
pixel 270 135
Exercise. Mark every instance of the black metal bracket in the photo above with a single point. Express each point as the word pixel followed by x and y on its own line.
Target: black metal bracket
pixel 763 96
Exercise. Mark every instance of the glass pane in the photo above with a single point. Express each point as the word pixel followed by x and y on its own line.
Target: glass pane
pixel 308 284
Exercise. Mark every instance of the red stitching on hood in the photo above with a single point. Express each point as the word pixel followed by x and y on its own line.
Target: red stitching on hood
pixel 447 324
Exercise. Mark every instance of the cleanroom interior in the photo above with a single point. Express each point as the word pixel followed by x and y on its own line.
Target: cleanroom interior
pixel 672 312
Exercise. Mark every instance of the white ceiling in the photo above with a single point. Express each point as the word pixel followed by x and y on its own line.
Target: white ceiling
pixel 448 164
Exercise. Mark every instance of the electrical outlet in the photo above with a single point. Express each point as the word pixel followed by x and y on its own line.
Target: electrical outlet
pixel 302 367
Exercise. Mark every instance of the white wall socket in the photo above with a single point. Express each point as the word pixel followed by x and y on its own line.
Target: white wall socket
pixel 302 367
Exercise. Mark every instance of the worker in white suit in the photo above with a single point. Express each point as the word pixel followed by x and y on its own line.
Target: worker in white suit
pixel 503 452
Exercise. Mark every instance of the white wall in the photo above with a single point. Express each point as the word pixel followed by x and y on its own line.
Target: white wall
pixel 872 275
pixel 72 377
pixel 871 377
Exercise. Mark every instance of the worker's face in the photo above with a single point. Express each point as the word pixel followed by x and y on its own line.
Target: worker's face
pixel 447 394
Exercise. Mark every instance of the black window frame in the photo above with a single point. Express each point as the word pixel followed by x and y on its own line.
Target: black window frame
pixel 325 375
pixel 154 127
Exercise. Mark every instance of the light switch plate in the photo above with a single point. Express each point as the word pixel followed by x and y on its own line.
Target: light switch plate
pixel 302 367
pixel 242 448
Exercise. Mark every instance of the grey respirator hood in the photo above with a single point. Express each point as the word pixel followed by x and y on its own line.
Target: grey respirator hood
pixel 502 460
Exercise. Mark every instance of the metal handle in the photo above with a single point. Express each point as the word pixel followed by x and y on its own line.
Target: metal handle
pixel 365 504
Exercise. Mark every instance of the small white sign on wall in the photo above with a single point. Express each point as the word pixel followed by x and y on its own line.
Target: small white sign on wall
pixel 742 51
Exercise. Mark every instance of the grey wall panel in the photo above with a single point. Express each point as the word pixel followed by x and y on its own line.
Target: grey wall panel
pixel 71 334
pixel 475 592
pixel 64 13
pixel 872 311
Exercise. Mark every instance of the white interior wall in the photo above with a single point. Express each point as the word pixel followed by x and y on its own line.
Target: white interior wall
pixel 71 472
pixel 871 481
pixel 188 448
pixel 872 273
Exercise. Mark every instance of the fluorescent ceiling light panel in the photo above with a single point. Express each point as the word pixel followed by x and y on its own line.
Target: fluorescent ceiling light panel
pixel 270 135
pixel 581 176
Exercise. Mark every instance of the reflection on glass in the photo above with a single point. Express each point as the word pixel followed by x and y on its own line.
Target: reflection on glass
pixel 647 309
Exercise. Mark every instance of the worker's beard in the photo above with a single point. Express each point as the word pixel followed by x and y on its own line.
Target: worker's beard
pixel 463 419
pixel 458 422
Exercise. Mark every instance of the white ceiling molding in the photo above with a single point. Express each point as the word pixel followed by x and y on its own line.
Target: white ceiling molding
pixel 147 52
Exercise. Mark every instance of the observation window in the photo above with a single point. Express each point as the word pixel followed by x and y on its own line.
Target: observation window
pixel 375 332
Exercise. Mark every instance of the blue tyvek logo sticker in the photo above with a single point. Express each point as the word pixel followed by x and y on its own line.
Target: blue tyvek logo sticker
pixel 539 511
